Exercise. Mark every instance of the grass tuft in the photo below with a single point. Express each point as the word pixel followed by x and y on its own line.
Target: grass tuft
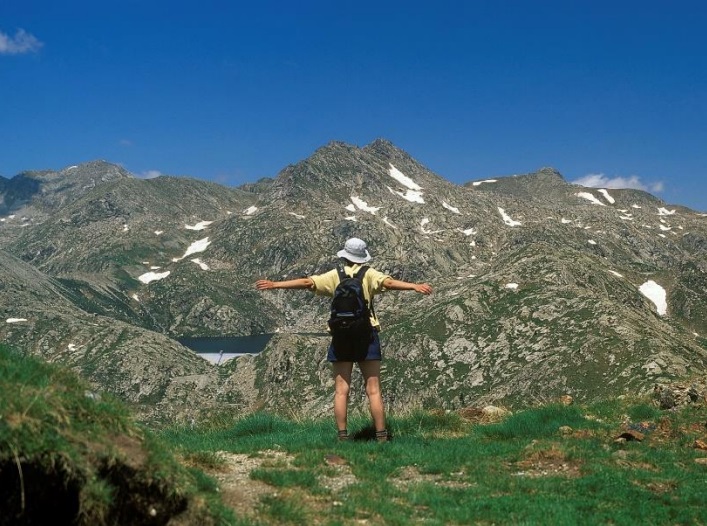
pixel 258 424
pixel 540 422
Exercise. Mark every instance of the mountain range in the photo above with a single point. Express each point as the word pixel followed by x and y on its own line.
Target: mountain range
pixel 542 287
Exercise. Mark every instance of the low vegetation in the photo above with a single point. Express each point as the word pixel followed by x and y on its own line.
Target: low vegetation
pixel 71 453
pixel 615 462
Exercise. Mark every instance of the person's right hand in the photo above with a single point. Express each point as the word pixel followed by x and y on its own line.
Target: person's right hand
pixel 264 284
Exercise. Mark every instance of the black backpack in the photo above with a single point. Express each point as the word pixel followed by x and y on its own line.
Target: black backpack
pixel 350 320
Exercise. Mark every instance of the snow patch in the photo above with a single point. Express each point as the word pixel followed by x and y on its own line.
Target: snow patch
pixel 410 195
pixel 159 232
pixel 125 228
pixel 196 246
pixel 403 179
pixel 616 274
pixel 664 228
pixel 298 216
pixel 350 218
pixel 362 205
pixel 592 242
pixel 589 197
pixel 565 221
pixel 512 286
pixel 606 195
pixel 468 231
pixel 250 210
pixel 654 292
pixel 385 220
pixel 136 297
pixel 477 183
pixel 450 207
pixel 201 264
pixel 15 320
pixel 665 212
pixel 201 225
pixel 153 276
pixel 636 206
pixel 351 207
pixel 507 219
pixel 424 222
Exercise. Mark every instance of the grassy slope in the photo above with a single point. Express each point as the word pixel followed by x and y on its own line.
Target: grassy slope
pixel 71 453
pixel 444 469
pixel 70 456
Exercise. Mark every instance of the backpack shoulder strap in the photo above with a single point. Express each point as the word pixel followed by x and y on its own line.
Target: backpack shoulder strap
pixel 340 271
pixel 359 276
pixel 361 272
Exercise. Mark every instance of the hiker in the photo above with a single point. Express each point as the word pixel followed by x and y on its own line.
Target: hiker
pixel 343 352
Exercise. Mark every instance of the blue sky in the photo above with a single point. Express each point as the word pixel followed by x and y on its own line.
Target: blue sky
pixel 611 93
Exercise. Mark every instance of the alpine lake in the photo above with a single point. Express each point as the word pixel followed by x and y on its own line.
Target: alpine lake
pixel 219 349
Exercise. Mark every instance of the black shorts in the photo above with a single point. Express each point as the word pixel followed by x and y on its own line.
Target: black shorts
pixel 372 353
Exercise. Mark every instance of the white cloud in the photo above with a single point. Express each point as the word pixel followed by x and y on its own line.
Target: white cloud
pixel 149 174
pixel 656 187
pixel 634 182
pixel 21 43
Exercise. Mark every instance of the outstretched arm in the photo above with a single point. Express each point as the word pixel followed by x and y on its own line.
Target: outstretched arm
pixel 396 284
pixel 300 283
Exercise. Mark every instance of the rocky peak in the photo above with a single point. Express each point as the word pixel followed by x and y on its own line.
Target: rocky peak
pixel 97 170
pixel 549 174
pixel 382 147
pixel 35 194
pixel 339 170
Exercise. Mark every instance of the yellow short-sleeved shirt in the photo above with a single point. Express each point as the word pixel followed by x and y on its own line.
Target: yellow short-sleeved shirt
pixel 325 284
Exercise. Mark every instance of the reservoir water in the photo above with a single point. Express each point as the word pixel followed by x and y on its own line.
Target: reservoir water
pixel 218 349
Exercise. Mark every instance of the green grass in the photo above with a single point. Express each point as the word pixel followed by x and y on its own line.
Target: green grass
pixel 542 422
pixel 69 456
pixel 551 464
pixel 441 469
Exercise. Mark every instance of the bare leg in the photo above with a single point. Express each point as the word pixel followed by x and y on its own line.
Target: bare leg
pixel 342 385
pixel 371 376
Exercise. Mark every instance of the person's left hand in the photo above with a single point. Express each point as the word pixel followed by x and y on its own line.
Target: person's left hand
pixel 423 288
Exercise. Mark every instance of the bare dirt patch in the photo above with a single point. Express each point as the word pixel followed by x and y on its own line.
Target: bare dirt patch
pixel 410 475
pixel 339 474
pixel 245 495
pixel 238 490
pixel 547 460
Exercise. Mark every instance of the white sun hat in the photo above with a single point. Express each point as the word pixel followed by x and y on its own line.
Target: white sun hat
pixel 355 251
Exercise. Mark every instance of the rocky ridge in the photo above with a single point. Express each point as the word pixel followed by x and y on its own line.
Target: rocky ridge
pixel 537 281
